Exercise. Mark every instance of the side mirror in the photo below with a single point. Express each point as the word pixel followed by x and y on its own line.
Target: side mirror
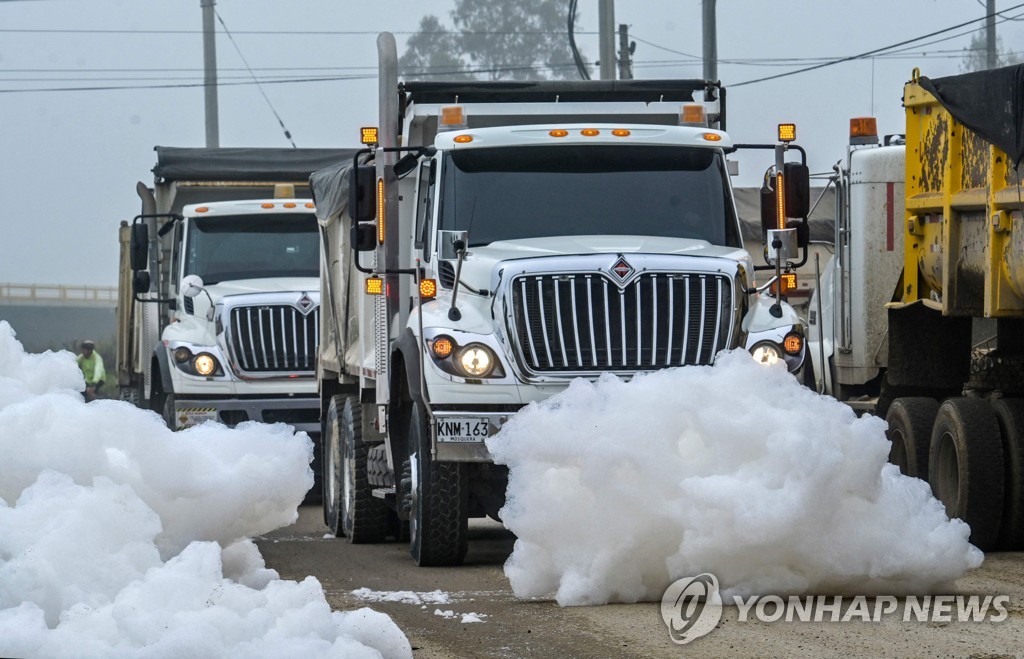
pixel 406 164
pixel 191 285
pixel 363 237
pixel 362 201
pixel 140 282
pixel 798 190
pixel 139 248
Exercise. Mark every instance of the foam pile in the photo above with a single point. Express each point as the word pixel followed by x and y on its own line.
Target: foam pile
pixel 618 488
pixel 119 538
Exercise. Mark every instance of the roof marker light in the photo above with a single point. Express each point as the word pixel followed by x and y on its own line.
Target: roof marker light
pixel 558 132
pixel 202 209
pixel 462 139
pixel 590 132
pixel 266 205
pixel 620 132
pixel 712 137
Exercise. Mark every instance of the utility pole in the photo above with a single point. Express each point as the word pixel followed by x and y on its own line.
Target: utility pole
pixel 991 55
pixel 711 41
pixel 606 28
pixel 210 78
pixel 625 53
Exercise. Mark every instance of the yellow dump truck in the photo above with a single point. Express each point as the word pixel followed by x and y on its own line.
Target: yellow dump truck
pixel 953 392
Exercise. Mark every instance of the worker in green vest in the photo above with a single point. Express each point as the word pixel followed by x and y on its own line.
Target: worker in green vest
pixel 92 368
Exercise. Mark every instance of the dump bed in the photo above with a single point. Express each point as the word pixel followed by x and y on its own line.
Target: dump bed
pixel 964 247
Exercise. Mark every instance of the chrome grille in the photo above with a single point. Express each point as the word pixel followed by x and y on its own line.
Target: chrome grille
pixel 583 322
pixel 273 338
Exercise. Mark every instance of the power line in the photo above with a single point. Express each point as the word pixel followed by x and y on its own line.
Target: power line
pixel 301 33
pixel 869 52
pixel 287 133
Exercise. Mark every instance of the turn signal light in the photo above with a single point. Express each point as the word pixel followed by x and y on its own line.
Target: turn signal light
pixel 443 347
pixel 380 211
pixel 787 132
pixel 428 289
pixel 374 286
pixel 788 282
pixel 793 343
pixel 368 135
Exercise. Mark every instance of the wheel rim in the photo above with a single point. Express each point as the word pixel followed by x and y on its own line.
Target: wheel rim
pixel 948 475
pixel 332 470
pixel 414 508
pixel 898 451
pixel 348 486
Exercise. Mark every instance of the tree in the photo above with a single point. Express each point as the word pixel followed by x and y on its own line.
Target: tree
pixel 975 55
pixel 491 40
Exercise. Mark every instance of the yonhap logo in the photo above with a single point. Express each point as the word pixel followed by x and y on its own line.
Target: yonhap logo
pixel 691 607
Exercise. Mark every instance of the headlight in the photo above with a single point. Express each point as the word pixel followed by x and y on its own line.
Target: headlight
pixel 205 364
pixel 182 355
pixel 476 360
pixel 472 361
pixel 766 353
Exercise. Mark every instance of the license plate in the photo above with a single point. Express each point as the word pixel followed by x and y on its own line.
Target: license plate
pixel 192 416
pixel 462 430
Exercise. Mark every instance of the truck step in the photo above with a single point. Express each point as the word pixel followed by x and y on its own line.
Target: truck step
pixel 386 493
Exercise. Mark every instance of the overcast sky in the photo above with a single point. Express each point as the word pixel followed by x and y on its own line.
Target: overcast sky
pixel 70 159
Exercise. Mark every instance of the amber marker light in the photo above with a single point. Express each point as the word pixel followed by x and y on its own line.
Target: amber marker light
pixel 380 211
pixel 590 132
pixel 793 343
pixel 787 281
pixel 368 135
pixel 289 205
pixel 443 347
pixel 374 286
pixel 712 137
pixel 620 132
pixel 266 205
pixel 428 289
pixel 787 132
pixel 558 132
pixel 202 209
pixel 309 204
pixel 462 139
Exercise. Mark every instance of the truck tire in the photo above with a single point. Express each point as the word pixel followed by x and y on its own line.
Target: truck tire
pixel 1010 415
pixel 333 483
pixel 439 514
pixel 965 467
pixel 910 430
pixel 168 411
pixel 364 517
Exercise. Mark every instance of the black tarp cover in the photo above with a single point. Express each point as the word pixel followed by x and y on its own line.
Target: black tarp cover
pixel 991 103
pixel 244 164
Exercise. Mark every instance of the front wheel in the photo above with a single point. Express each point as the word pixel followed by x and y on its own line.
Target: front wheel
pixel 439 511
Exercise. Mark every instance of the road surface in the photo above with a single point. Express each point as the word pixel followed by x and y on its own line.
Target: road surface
pixel 517 628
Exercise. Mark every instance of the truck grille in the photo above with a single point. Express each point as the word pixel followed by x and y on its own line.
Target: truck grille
pixel 273 338
pixel 586 323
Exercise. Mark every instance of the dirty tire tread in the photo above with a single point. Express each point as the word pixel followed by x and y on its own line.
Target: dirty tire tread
pixel 365 518
pixel 910 423
pixel 440 537
pixel 1010 415
pixel 966 434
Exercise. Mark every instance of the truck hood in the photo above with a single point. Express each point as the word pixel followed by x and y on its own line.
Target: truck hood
pixel 224 289
pixel 480 261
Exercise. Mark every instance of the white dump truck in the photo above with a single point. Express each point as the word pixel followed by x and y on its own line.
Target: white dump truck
pixel 219 288
pixel 496 241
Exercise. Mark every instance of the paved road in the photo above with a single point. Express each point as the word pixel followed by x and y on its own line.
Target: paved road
pixel 517 628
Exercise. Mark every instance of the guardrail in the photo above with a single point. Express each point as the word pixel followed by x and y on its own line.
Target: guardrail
pixel 59 293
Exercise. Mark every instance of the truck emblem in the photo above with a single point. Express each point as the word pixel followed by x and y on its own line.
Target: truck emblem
pixel 305 303
pixel 622 269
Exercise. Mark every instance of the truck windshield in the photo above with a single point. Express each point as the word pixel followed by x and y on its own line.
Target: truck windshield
pixel 253 247
pixel 538 191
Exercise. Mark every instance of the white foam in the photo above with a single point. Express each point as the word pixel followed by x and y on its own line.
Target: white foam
pixel 119 538
pixel 618 488
pixel 402 596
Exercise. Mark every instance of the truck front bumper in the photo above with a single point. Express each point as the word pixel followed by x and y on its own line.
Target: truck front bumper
pixel 303 413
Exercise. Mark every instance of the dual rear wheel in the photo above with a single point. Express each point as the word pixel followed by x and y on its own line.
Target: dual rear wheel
pixel 971 451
